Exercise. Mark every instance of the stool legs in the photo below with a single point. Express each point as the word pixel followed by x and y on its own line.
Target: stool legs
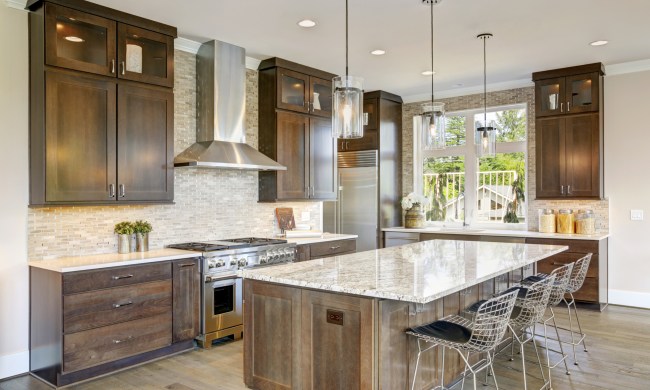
pixel 582 335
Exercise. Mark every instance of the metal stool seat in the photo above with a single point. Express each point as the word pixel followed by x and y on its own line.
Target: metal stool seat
pixel 480 335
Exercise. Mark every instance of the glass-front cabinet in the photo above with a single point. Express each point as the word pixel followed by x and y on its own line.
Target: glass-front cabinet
pixel 89 43
pixel 567 95
pixel 303 93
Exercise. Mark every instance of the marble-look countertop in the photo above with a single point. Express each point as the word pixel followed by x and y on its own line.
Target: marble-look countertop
pixel 83 263
pixel 499 232
pixel 419 272
pixel 322 238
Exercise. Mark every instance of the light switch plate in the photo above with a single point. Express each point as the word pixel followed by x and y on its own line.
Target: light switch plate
pixel 305 216
pixel 636 215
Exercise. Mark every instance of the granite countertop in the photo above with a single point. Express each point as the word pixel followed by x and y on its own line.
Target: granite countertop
pixel 499 232
pixel 419 272
pixel 322 238
pixel 82 263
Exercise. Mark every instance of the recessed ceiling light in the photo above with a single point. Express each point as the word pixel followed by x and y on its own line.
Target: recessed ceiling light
pixel 307 23
pixel 599 43
pixel 378 52
pixel 72 38
pixel 428 73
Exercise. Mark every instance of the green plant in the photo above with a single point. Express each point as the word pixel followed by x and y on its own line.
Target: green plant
pixel 519 195
pixel 142 227
pixel 124 228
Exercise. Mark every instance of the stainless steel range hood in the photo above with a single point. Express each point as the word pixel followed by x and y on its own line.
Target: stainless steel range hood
pixel 221 112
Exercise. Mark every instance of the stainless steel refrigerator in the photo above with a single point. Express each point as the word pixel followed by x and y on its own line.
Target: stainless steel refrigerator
pixel 357 210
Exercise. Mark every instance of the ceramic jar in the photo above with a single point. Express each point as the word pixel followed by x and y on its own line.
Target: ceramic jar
pixel 414 217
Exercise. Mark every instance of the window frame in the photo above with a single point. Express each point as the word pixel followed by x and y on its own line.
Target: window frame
pixel 468 151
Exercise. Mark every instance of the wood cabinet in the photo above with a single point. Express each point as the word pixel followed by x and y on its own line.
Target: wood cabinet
pixel 295 133
pixel 594 290
pixel 325 249
pixel 569 132
pixel 100 133
pixel 89 323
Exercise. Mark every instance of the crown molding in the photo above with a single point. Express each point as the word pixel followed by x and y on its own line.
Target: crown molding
pixel 449 93
pixel 627 67
pixel 16 4
pixel 190 46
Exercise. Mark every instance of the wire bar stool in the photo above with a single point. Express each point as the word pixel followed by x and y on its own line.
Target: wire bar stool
pixel 462 335
pixel 578 275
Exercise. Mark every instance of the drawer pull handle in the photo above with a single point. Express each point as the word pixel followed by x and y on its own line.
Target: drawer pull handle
pixel 188 265
pixel 116 305
pixel 123 341
pixel 335 247
pixel 556 263
pixel 122 277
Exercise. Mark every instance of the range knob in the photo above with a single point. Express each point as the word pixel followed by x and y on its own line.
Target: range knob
pixel 233 262
pixel 220 263
pixel 212 264
pixel 243 262
pixel 263 260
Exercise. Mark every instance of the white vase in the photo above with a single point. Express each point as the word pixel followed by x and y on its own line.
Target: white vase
pixel 316 103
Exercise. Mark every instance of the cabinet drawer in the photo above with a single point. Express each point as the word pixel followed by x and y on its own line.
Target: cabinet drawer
pixel 331 248
pixel 114 277
pixel 92 347
pixel 588 292
pixel 549 264
pixel 104 307
pixel 581 246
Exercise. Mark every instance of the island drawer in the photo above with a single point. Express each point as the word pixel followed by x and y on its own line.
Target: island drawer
pixel 548 265
pixel 105 307
pixel 92 347
pixel 581 246
pixel 82 281
pixel 332 248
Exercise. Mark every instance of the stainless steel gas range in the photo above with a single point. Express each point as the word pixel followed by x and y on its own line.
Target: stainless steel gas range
pixel 221 297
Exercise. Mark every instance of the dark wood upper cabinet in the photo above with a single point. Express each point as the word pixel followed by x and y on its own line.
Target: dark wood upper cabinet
pixel 99 133
pixel 296 130
pixel 569 132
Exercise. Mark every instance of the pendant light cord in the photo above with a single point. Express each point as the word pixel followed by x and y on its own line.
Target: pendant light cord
pixel 431 3
pixel 346 39
pixel 484 84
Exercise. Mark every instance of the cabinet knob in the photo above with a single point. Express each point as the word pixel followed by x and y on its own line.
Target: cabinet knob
pixel 111 191
pixel 568 106
pixel 122 191
pixel 123 64
pixel 562 190
pixel 561 107
pixel 113 66
pixel 568 189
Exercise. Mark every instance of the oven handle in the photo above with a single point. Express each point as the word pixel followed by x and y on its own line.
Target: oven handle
pixel 229 281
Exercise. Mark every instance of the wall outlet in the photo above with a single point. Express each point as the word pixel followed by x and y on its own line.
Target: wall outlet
pixel 636 215
pixel 305 216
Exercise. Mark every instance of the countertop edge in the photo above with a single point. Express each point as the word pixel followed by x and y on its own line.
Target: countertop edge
pixel 324 238
pixel 503 233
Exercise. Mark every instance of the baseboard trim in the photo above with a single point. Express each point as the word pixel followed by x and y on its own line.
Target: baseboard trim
pixel 14 364
pixel 629 298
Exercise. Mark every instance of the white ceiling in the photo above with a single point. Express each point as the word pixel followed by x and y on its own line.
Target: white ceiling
pixel 528 35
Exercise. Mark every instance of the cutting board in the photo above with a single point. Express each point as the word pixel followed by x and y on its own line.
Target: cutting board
pixel 284 215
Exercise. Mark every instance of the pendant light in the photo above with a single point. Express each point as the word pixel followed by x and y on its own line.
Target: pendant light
pixel 485 137
pixel 431 123
pixel 347 96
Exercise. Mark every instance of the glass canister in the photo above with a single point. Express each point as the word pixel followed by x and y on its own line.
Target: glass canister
pixel 565 221
pixel 585 222
pixel 546 221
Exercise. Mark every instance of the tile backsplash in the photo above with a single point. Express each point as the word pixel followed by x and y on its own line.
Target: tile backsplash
pixel 209 203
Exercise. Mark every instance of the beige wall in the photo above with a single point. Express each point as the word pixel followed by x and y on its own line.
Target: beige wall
pixel 627 137
pixel 14 309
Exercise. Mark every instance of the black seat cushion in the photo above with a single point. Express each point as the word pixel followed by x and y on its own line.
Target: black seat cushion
pixel 535 278
pixel 515 312
pixel 521 294
pixel 444 330
pixel 474 307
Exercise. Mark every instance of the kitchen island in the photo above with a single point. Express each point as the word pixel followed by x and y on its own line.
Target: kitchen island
pixel 339 322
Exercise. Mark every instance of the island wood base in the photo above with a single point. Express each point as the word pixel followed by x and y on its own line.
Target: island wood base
pixel 298 338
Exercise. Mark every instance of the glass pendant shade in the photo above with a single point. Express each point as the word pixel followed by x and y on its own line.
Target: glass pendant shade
pixel 485 138
pixel 431 125
pixel 347 113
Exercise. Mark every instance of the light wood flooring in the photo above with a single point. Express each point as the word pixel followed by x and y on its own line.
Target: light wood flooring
pixel 618 340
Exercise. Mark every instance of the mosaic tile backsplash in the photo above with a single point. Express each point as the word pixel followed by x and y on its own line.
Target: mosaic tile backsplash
pixel 209 204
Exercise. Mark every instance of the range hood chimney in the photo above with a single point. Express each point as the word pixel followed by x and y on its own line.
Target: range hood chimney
pixel 221 112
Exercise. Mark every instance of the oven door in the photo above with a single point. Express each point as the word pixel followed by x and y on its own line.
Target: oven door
pixel 222 306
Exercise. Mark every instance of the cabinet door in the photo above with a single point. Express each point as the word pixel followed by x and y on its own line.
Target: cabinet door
pixel 80 41
pixel 293 90
pixel 582 156
pixel 370 139
pixel 550 158
pixel 145 56
pixel 145 143
pixel 320 95
pixel 79 138
pixel 322 159
pixel 186 299
pixel 582 93
pixel 293 153
pixel 550 97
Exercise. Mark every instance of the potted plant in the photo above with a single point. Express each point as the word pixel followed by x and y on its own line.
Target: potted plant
pixel 413 204
pixel 142 229
pixel 124 231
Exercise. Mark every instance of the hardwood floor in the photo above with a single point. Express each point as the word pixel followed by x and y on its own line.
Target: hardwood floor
pixel 618 358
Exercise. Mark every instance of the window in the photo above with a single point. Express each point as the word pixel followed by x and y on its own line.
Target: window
pixel 485 192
